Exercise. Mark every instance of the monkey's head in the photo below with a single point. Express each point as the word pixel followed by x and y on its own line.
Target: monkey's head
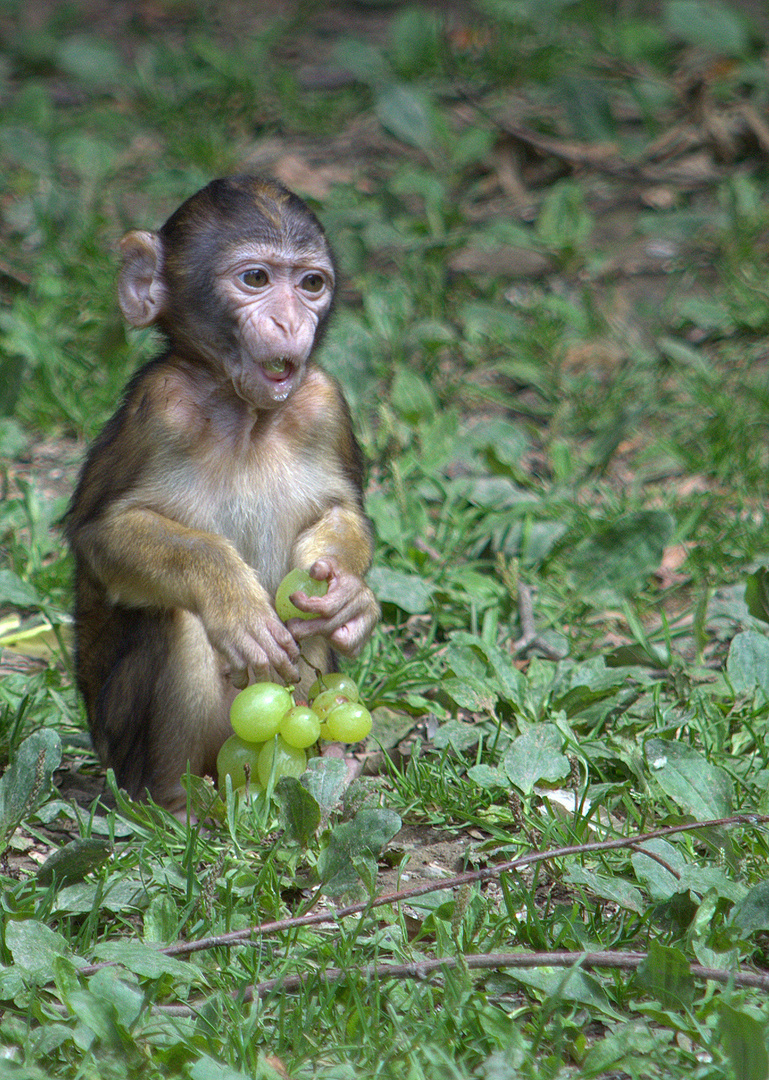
pixel 240 277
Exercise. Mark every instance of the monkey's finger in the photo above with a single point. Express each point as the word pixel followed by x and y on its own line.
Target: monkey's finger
pixel 238 677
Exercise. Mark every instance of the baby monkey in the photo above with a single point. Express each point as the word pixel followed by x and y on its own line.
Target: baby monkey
pixel 230 461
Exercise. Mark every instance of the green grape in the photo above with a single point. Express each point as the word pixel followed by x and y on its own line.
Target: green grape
pixel 256 712
pixel 300 727
pixel 334 680
pixel 289 760
pixel 348 723
pixel 297 581
pixel 325 702
pixel 232 760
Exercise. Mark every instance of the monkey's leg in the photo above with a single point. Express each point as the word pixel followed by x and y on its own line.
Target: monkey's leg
pixel 164 704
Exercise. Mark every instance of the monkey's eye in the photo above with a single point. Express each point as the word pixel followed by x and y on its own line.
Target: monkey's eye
pixel 313 283
pixel 255 279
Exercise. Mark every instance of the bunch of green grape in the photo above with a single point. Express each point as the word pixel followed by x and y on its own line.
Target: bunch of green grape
pixel 272 734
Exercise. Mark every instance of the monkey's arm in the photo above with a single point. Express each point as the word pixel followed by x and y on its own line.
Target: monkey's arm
pixel 144 559
pixel 337 549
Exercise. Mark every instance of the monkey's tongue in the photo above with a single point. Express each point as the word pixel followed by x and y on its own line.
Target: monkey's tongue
pixel 277 370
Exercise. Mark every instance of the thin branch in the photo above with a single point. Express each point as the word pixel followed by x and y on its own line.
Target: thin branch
pixel 237 937
pixel 424 969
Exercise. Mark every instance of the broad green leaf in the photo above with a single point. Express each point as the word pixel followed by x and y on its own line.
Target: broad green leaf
pixel 91 59
pixel 487 776
pixel 473 694
pixel 665 974
pixel 618 559
pixel 121 896
pixel 747 663
pixel 570 985
pixel 73 861
pixel 144 960
pixel 34 946
pixel 536 756
pixel 698 787
pixel 126 1001
pixel 409 592
pixel 325 780
pixel 460 737
pixel 660 882
pixel 757 594
pixel 27 779
pixel 299 811
pixel 407 114
pixel 564 221
pixel 363 837
pixel 744 1039
pixel 708 24
pixel 14 590
pixel 390 726
pixel 412 397
pixel 587 105
pixel 751 914
pixel 366 62
pixel 208 1068
pixel 615 889
pixel 161 920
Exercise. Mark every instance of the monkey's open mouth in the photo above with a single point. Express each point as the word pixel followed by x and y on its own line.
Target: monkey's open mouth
pixel 278 370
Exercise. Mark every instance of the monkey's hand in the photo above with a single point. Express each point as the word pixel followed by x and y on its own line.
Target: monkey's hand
pixel 346 615
pixel 244 628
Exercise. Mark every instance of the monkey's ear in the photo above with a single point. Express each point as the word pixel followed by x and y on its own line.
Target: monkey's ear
pixel 140 288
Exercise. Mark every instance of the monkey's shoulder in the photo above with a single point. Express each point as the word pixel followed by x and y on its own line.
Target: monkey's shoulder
pixel 168 396
pixel 317 410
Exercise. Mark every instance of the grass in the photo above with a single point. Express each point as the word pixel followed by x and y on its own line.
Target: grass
pixel 555 354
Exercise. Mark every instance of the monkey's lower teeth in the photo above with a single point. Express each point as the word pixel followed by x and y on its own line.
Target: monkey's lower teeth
pixel 278 366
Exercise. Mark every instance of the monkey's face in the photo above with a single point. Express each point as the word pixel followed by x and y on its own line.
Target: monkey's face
pixel 277 297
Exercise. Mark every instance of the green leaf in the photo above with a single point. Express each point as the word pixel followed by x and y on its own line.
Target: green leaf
pixel 363 837
pixel 757 594
pixel 587 106
pixel 362 60
pixel 661 882
pixel 299 811
pixel 460 737
pixel 409 592
pixel 619 558
pixel 615 889
pixel 408 115
pixel 487 776
pixel 412 397
pixel 144 960
pixel 91 59
pixel 536 756
pixel 665 974
pixel 751 914
pixel 27 780
pixel 570 985
pixel 468 693
pixel 208 1068
pixel 325 780
pixel 698 787
pixel 161 920
pixel 14 590
pixel 73 861
pixel 126 1001
pixel 708 25
pixel 34 946
pixel 747 663
pixel 744 1039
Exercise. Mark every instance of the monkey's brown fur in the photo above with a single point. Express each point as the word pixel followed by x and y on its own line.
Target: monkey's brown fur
pixel 230 460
